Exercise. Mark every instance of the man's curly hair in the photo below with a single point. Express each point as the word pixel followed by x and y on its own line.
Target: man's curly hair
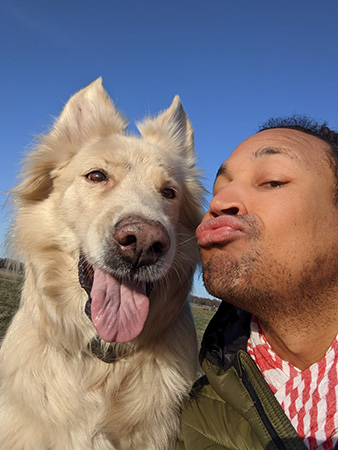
pixel 307 125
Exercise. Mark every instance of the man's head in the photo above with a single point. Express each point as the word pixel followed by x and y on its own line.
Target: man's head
pixel 269 242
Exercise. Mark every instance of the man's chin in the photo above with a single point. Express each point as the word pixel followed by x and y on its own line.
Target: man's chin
pixel 216 280
pixel 227 280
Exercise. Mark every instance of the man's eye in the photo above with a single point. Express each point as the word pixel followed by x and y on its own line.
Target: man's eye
pixel 274 184
pixel 96 176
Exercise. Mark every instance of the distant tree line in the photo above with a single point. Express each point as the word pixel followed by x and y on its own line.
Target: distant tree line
pixel 212 303
pixel 11 264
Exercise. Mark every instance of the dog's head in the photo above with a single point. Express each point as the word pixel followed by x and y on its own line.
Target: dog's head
pixel 126 207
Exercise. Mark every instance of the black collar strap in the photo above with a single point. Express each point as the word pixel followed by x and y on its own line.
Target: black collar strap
pixel 107 356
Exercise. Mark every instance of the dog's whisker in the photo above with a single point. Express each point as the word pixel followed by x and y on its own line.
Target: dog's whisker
pixel 186 241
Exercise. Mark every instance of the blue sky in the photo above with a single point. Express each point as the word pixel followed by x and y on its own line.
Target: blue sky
pixel 233 63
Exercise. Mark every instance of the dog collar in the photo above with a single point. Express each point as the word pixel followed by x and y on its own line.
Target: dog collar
pixel 107 356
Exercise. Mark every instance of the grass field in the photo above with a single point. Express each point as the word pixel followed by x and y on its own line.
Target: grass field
pixel 202 318
pixel 10 285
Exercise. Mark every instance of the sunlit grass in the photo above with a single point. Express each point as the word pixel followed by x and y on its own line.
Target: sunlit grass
pixel 10 288
pixel 202 317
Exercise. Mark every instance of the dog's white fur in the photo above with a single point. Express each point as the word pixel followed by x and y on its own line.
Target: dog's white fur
pixel 56 394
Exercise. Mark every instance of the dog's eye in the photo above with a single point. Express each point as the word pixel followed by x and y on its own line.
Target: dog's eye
pixel 96 176
pixel 169 193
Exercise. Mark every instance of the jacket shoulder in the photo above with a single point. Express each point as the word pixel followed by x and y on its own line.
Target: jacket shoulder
pixel 223 414
pixel 210 422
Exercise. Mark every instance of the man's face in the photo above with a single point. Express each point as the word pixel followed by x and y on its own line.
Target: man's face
pixel 270 237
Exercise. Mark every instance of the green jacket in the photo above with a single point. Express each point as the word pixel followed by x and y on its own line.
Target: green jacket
pixel 232 407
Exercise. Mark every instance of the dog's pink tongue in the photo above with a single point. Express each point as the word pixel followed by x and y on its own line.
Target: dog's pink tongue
pixel 118 310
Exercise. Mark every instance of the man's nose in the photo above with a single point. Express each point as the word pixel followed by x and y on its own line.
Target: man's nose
pixel 228 201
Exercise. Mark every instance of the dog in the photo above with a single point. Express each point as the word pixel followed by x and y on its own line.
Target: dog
pixel 102 350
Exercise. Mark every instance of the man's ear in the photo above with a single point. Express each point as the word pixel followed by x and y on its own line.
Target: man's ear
pixel 171 130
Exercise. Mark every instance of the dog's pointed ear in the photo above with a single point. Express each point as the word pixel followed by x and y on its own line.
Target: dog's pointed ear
pixel 170 130
pixel 89 112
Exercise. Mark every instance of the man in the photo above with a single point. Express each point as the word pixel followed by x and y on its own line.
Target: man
pixel 269 247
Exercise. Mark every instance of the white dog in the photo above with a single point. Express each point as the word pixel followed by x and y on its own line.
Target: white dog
pixel 102 350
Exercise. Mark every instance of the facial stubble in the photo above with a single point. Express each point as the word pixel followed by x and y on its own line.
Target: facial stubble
pixel 275 294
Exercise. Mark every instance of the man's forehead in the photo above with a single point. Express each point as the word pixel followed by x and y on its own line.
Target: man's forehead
pixel 300 148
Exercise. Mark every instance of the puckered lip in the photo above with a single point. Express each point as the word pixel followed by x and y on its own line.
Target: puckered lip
pixel 219 231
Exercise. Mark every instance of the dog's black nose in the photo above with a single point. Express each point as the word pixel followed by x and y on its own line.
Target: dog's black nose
pixel 140 241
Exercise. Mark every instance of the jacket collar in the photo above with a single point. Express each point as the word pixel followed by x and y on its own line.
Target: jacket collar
pixel 227 332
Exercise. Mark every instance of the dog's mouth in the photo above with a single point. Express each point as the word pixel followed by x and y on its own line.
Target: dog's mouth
pixel 118 309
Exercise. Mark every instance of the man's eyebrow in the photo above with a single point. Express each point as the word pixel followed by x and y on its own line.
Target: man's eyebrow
pixel 223 170
pixel 261 152
pixel 267 151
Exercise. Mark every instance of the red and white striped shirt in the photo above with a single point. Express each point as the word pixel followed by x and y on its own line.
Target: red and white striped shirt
pixel 309 398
